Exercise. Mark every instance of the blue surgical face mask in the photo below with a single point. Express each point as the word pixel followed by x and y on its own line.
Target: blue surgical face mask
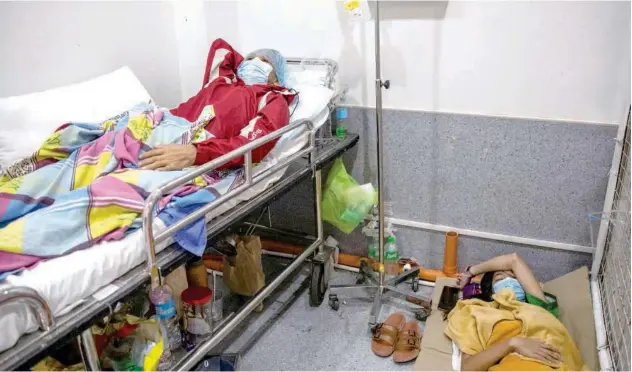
pixel 254 71
pixel 512 284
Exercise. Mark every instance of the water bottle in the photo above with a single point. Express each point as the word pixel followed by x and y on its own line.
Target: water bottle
pixel 164 302
pixel 391 255
pixel 341 117
pixel 373 247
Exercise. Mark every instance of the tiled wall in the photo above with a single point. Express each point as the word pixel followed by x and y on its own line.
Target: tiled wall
pixel 529 178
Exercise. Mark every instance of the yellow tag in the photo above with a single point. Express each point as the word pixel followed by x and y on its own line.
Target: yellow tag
pixel 381 268
pixel 351 5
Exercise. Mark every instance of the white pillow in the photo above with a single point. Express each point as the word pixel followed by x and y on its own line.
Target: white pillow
pixel 27 120
pixel 301 77
pixel 312 99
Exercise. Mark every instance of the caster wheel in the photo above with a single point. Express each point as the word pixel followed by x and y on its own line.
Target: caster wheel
pixel 360 278
pixel 334 303
pixel 318 285
pixel 415 284
pixel 422 314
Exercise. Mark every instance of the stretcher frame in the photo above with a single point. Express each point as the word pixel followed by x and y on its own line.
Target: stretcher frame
pixel 320 150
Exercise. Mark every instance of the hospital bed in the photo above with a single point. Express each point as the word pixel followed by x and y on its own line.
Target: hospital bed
pixel 62 296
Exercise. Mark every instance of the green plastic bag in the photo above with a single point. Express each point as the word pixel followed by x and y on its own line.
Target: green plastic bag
pixel 345 202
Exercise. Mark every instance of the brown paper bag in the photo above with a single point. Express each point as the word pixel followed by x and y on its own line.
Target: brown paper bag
pixel 177 281
pixel 244 275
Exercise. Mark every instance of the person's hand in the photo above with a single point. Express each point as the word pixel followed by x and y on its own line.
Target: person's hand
pixel 168 157
pixel 462 279
pixel 536 349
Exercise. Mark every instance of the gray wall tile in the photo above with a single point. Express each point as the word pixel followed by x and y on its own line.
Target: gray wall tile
pixel 528 178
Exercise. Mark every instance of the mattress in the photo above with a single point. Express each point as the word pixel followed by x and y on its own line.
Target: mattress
pixel 65 282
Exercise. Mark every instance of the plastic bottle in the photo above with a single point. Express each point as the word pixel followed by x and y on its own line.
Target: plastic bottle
pixel 391 255
pixel 373 247
pixel 341 117
pixel 163 300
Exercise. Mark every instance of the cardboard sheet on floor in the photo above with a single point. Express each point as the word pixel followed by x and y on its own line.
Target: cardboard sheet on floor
pixel 576 313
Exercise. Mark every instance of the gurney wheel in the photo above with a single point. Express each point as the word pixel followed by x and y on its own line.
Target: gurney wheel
pixel 415 284
pixel 318 286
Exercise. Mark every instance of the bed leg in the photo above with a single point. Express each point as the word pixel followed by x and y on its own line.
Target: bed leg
pixel 322 257
pixel 89 351
pixel 318 183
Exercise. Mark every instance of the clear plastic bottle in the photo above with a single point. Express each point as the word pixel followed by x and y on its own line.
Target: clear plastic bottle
pixel 373 247
pixel 164 302
pixel 391 255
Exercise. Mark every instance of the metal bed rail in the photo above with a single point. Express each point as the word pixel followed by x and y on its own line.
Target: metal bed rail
pixel 331 66
pixel 34 344
pixel 250 180
pixel 9 293
pixel 32 347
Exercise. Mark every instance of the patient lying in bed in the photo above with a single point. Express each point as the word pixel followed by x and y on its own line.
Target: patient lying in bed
pixel 509 323
pixel 88 182
pixel 248 101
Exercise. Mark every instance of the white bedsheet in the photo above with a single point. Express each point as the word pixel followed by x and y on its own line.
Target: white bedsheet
pixel 65 281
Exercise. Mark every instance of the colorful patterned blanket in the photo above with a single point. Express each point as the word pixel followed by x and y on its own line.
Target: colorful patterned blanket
pixel 84 186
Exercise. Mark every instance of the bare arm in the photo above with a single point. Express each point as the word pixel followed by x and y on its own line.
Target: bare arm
pixel 528 347
pixel 487 358
pixel 517 265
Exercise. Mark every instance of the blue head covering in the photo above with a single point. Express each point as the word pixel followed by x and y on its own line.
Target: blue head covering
pixel 277 60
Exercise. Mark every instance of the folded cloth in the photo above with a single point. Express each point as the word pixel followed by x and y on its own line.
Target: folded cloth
pixel 472 322
pixel 13 261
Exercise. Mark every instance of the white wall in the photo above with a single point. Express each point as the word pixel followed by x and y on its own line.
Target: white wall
pixel 48 44
pixel 555 60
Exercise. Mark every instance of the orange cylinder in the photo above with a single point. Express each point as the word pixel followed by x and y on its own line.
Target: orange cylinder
pixel 215 261
pixel 449 258
pixel 280 247
pixel 430 275
pixel 213 264
pixel 349 260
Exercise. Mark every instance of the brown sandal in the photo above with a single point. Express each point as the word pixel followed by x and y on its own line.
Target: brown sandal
pixel 385 334
pixel 408 343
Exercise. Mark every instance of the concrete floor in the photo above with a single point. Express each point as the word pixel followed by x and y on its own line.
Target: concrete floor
pixel 308 338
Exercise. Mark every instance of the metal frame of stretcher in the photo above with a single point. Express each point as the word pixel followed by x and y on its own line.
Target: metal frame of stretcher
pixel 320 150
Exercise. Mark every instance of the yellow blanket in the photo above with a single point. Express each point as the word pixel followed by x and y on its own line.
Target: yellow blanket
pixel 471 323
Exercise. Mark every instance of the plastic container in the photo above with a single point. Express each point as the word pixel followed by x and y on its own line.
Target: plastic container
pixel 196 274
pixel 164 303
pixel 373 247
pixel 341 117
pixel 391 255
pixel 217 307
pixel 196 303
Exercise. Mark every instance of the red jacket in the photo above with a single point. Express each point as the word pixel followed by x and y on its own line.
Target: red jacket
pixel 242 113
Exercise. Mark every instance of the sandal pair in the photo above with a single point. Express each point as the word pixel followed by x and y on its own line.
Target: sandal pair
pixel 397 337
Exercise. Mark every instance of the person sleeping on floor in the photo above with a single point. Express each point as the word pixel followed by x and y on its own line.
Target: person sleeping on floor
pixel 249 100
pixel 508 323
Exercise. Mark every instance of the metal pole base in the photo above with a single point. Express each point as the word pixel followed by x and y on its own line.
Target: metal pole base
pixel 380 291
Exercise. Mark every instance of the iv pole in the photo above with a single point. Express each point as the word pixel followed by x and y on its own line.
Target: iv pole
pixel 381 286
pixel 378 124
